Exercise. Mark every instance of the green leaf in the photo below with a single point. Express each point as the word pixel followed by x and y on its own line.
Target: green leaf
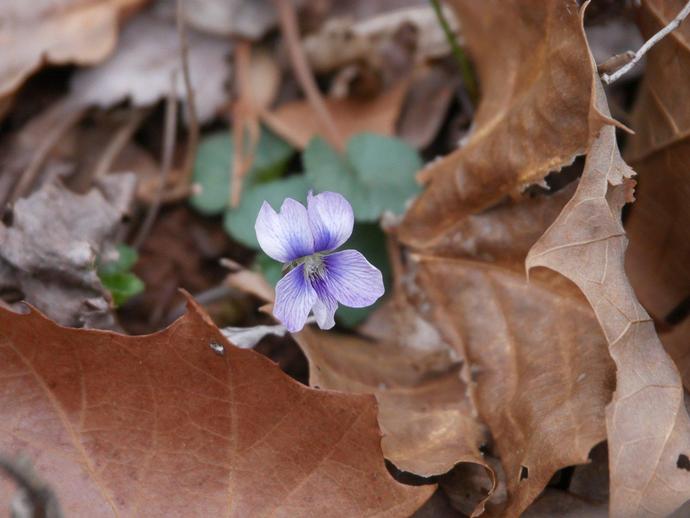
pixel 369 239
pixel 212 168
pixel 126 259
pixel 239 222
pixel 376 174
pixel 122 285
pixel 116 277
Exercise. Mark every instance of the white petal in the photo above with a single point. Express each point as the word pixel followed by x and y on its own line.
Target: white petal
pixel 331 220
pixel 324 311
pixel 352 280
pixel 285 236
pixel 294 299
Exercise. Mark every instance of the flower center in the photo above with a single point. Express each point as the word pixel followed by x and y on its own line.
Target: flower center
pixel 313 266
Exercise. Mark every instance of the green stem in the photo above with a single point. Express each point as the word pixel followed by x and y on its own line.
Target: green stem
pixel 464 64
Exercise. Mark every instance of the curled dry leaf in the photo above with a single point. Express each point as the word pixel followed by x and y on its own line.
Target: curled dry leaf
pixel 541 377
pixel 146 58
pixel 56 31
pixel 533 117
pixel 183 423
pixel 648 429
pixel 49 252
pixel 426 418
pixel 657 260
pixel 297 122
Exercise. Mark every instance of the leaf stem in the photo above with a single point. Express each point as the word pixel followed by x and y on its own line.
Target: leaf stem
pixel 465 67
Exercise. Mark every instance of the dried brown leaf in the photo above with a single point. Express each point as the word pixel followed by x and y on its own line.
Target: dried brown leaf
pixel 541 375
pixel 147 56
pixel 58 32
pixel 183 423
pixel 297 123
pixel 533 117
pixel 657 259
pixel 648 428
pixel 424 414
pixel 49 252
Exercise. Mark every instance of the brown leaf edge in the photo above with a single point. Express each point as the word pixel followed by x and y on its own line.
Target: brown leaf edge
pixel 193 333
pixel 647 424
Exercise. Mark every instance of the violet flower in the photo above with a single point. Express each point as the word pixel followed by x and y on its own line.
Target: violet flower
pixel 304 239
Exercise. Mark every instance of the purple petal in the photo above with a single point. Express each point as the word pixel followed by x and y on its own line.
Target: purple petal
pixel 324 311
pixel 294 299
pixel 284 236
pixel 331 220
pixel 352 280
pixel 326 304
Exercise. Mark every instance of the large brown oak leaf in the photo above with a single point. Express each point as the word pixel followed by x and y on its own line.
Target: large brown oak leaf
pixel 182 423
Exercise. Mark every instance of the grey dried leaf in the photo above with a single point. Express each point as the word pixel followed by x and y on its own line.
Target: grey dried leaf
pixel 48 254
pixel 147 56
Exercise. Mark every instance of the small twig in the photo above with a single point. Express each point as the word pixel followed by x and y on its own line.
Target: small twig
pixel 288 24
pixel 464 64
pixel 245 116
pixel 118 142
pixel 166 164
pixel 41 498
pixel 193 133
pixel 72 117
pixel 672 26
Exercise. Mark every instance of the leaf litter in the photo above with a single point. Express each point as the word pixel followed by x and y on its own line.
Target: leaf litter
pixel 510 371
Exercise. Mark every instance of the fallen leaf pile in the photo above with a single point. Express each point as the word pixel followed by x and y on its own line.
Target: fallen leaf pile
pixel 527 360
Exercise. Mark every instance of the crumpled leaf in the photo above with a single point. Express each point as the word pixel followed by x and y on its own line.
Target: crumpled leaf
pixel 183 423
pixel 533 117
pixel 58 32
pixel 657 259
pixel 426 418
pixel 49 251
pixel 541 375
pixel 512 337
pixel 647 424
pixel 142 67
pixel 297 123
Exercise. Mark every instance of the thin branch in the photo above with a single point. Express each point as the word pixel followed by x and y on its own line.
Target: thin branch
pixel 288 25
pixel 193 134
pixel 72 117
pixel 118 142
pixel 464 63
pixel 245 117
pixel 672 26
pixel 166 163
